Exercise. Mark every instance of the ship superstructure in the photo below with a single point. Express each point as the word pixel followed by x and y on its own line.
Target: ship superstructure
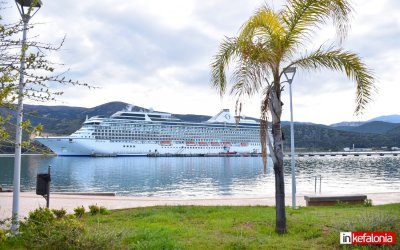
pixel 135 133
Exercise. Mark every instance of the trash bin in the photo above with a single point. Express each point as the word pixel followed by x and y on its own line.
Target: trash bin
pixel 42 184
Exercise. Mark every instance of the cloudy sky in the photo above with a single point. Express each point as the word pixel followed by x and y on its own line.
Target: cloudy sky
pixel 156 53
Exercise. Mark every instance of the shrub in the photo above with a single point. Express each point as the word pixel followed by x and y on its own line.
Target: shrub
pixel 367 203
pixel 94 209
pixel 2 236
pixel 104 211
pixel 42 231
pixel 59 213
pixel 79 212
pixel 40 216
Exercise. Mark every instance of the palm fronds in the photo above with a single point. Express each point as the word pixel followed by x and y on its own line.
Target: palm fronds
pixel 302 17
pixel 347 62
pixel 265 23
pixel 227 50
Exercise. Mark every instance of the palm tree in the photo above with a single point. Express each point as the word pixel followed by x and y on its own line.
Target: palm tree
pixel 269 43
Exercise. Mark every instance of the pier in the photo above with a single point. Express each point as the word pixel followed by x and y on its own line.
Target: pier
pixel 302 154
pixel 346 153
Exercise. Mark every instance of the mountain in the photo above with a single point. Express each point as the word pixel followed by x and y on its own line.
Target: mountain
pixel 64 120
pixel 108 109
pixel 347 124
pixel 387 118
pixel 374 127
pixel 325 138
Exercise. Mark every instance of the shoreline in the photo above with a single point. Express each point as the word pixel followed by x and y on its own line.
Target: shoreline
pixel 286 154
pixel 30 201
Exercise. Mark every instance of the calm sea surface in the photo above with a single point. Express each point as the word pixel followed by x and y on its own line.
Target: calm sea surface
pixel 204 176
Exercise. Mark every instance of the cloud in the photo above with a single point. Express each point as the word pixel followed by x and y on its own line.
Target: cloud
pixel 157 53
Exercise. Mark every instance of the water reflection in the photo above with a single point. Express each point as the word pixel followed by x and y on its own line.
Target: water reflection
pixel 202 176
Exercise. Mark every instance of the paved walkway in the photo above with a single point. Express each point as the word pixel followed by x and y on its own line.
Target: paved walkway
pixel 30 201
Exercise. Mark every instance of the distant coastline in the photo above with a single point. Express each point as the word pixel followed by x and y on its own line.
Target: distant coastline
pixel 374 134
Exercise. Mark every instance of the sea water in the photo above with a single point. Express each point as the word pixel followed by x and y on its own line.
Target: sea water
pixel 205 176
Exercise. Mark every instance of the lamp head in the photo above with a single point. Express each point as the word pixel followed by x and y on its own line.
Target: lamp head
pixel 29 3
pixel 289 73
pixel 25 7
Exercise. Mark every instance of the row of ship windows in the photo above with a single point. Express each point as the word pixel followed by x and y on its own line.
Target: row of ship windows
pixel 175 132
pixel 169 134
pixel 232 138
pixel 119 124
pixel 157 128
pixel 251 144
pixel 177 138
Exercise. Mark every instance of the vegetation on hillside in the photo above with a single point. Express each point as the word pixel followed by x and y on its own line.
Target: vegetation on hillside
pixel 64 120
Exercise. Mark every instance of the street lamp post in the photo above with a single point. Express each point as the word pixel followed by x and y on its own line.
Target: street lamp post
pixel 27 8
pixel 289 74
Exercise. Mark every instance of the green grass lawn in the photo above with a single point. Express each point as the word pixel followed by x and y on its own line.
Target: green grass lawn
pixel 194 227
pixel 226 227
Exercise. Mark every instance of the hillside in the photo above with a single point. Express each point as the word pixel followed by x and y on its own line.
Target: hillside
pixel 374 127
pixel 324 138
pixel 387 118
pixel 64 120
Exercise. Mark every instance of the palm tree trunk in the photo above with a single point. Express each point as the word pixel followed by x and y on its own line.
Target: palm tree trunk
pixel 276 111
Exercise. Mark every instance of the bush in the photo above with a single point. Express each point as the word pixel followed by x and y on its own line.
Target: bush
pixel 367 203
pixel 42 231
pixel 2 236
pixel 40 216
pixel 94 209
pixel 59 213
pixel 79 212
pixel 104 211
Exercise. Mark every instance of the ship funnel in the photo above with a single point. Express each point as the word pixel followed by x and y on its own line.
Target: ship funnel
pixel 222 117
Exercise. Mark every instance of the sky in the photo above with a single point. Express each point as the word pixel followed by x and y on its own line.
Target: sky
pixel 156 53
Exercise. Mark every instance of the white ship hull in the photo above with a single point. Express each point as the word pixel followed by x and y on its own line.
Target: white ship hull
pixel 130 133
pixel 67 146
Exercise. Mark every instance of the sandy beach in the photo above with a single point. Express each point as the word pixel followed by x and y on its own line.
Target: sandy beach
pixel 30 201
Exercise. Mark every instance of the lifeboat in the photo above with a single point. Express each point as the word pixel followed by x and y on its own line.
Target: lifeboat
pixel 227 143
pixel 203 143
pixel 165 143
pixel 214 143
pixel 190 143
pixel 244 144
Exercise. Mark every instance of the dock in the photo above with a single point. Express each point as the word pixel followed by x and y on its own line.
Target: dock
pixel 308 154
pixel 347 153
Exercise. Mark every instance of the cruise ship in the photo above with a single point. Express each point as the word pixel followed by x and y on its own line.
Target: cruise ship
pixel 148 132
